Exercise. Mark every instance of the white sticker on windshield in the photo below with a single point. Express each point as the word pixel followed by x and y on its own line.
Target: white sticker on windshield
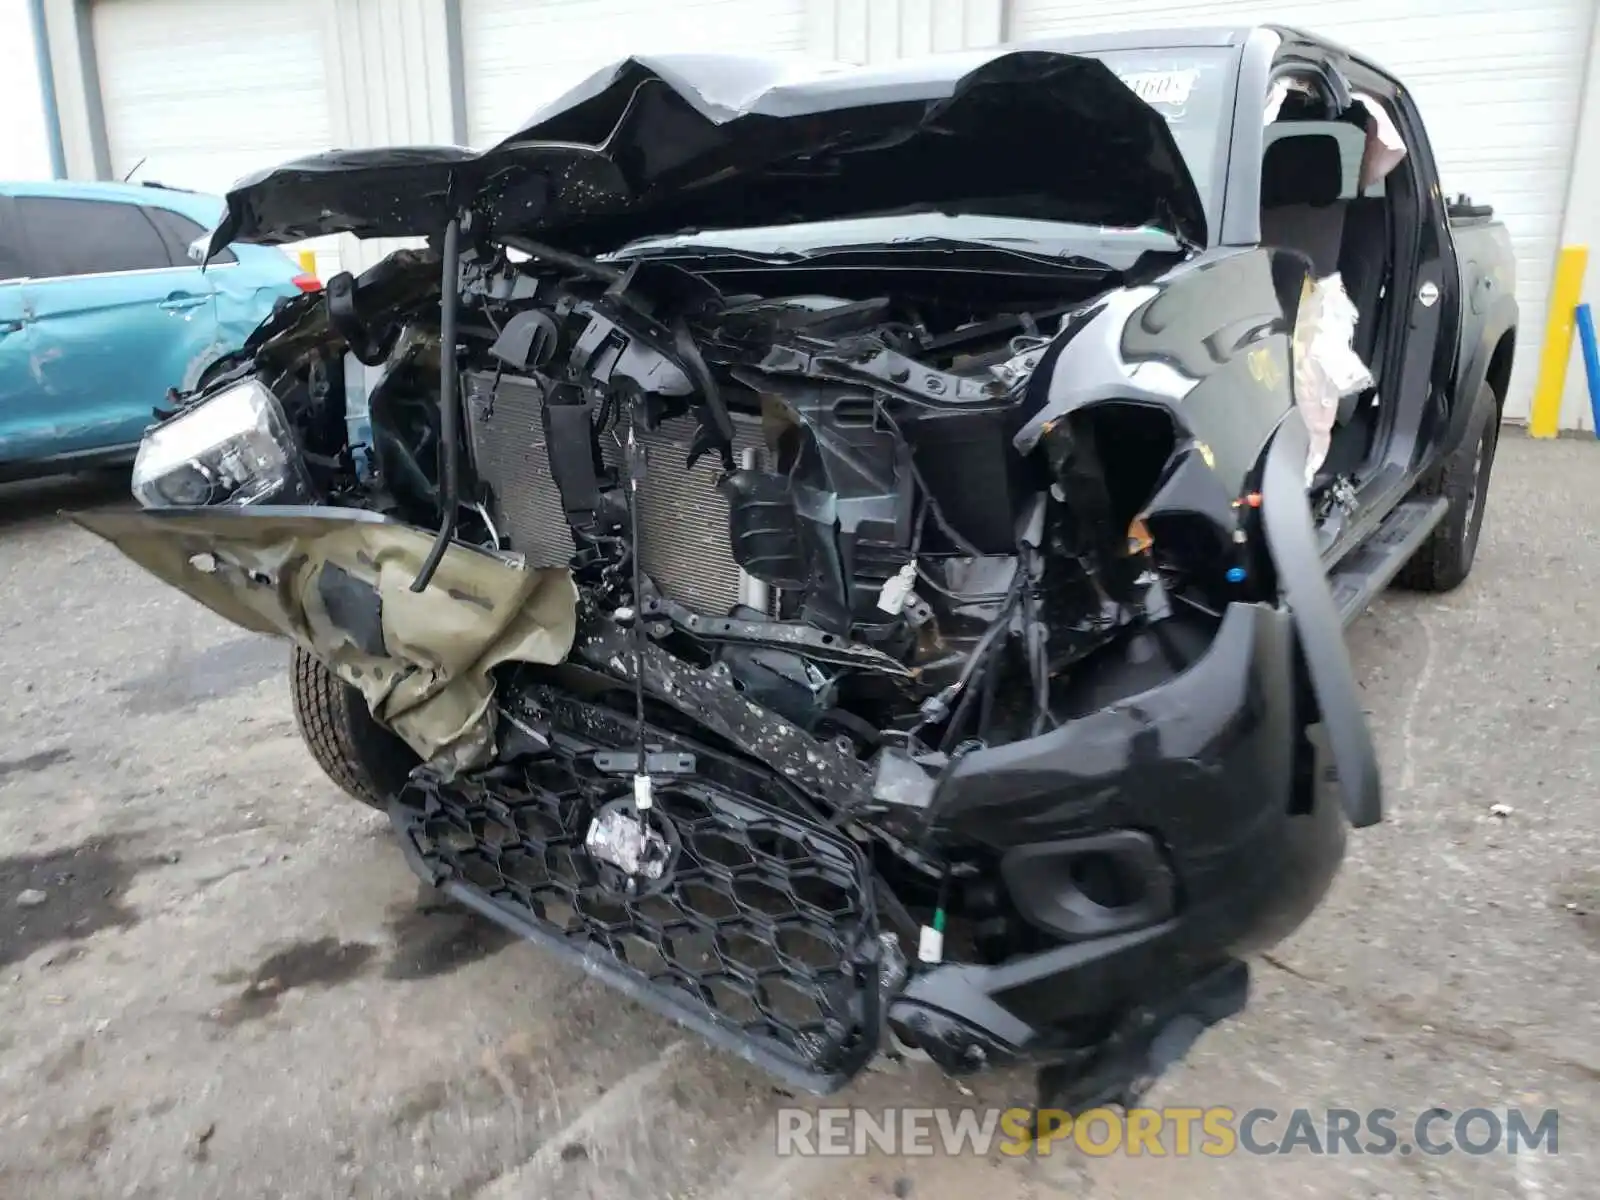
pixel 1162 87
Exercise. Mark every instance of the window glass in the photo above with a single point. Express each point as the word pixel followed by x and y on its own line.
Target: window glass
pixel 89 237
pixel 14 258
pixel 1190 87
pixel 180 233
pixel 10 257
pixel 1352 143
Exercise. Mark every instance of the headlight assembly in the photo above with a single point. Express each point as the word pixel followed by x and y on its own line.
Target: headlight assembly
pixel 232 448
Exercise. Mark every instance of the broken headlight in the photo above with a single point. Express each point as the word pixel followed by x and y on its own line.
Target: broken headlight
pixel 232 448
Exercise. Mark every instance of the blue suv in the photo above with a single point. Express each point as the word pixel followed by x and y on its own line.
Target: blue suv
pixel 103 307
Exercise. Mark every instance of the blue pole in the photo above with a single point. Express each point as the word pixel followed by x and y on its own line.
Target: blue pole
pixel 47 90
pixel 1591 361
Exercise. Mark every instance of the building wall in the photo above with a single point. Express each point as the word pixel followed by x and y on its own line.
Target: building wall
pixel 77 97
pixel 390 83
pixel 390 78
pixel 863 31
pixel 24 138
pixel 1581 227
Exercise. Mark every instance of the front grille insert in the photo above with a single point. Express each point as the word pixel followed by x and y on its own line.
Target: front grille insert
pixel 683 517
pixel 761 934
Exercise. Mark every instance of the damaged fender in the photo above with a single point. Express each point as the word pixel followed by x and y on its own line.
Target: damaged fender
pixel 1211 346
pixel 338 583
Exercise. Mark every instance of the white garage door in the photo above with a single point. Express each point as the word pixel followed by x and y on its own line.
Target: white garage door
pixel 204 93
pixel 521 53
pixel 1498 86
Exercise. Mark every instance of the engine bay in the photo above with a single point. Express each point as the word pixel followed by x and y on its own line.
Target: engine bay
pixel 812 495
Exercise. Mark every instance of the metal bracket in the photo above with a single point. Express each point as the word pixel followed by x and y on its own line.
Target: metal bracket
pixel 657 762
pixel 792 636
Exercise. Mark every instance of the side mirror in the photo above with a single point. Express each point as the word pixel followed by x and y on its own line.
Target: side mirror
pixel 198 248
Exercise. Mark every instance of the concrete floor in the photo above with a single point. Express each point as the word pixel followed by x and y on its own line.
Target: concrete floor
pixel 233 987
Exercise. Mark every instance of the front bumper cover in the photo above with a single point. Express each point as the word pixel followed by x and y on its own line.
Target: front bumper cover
pixel 1200 786
pixel 1204 792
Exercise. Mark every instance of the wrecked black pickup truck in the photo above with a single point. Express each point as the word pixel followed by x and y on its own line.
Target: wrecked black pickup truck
pixel 858 562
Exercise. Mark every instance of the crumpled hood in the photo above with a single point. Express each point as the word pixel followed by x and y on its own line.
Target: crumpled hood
pixel 659 144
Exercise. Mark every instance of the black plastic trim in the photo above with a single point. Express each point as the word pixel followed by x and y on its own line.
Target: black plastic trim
pixel 1039 879
pixel 594 960
pixel 657 1001
pixel 72 463
pixel 1291 536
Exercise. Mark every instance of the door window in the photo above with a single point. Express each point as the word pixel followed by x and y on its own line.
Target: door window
pixel 13 261
pixel 90 237
pixel 181 233
pixel 10 258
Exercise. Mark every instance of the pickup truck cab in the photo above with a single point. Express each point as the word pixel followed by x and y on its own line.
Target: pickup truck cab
pixel 863 565
pixel 1432 282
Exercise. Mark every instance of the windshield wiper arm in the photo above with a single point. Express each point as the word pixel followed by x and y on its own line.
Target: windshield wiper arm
pixel 974 246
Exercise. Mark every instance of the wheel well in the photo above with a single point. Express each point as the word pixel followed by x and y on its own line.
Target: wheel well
pixel 1499 374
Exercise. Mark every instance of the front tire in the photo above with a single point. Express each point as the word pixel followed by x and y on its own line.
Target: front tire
pixel 1445 559
pixel 368 761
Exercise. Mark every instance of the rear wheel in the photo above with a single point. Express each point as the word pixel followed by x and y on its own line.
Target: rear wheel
pixel 1445 559
pixel 368 761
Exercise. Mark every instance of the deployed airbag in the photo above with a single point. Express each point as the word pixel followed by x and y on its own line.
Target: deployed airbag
pixel 1326 367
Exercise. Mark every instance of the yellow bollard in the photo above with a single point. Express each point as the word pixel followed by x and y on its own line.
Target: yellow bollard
pixel 308 264
pixel 1566 292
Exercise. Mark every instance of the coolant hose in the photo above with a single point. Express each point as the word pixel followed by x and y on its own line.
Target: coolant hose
pixel 449 481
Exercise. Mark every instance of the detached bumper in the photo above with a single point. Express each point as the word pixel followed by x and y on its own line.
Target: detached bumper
pixel 1157 840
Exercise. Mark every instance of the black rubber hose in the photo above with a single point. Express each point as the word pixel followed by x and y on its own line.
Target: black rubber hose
pixel 636 633
pixel 575 263
pixel 449 480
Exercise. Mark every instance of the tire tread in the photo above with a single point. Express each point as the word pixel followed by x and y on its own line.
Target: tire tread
pixel 366 760
pixel 1443 561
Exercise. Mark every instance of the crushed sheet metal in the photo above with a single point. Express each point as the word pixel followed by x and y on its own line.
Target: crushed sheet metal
pixel 657 143
pixel 338 582
pixel 820 769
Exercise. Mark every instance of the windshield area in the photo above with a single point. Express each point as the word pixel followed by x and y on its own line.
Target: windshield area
pixel 1115 248
pixel 1192 89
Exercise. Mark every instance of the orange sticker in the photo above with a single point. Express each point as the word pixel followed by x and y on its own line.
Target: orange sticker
pixel 1139 539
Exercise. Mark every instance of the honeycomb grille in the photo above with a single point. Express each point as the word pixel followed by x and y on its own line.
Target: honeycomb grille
pixel 683 518
pixel 759 934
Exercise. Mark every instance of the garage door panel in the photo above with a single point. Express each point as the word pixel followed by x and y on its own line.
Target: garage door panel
pixel 1052 16
pixel 1498 86
pixel 204 94
pixel 521 54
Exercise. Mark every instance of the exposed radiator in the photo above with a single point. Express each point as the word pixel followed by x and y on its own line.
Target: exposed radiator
pixel 683 518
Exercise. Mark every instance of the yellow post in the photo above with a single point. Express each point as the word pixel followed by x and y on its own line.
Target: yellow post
pixel 1566 292
pixel 308 264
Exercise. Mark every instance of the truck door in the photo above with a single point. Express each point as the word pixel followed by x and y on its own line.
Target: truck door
pixel 1420 305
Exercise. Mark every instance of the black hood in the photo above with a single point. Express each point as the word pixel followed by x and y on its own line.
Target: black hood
pixel 660 144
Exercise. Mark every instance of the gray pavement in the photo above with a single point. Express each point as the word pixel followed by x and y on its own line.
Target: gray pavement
pixel 234 988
